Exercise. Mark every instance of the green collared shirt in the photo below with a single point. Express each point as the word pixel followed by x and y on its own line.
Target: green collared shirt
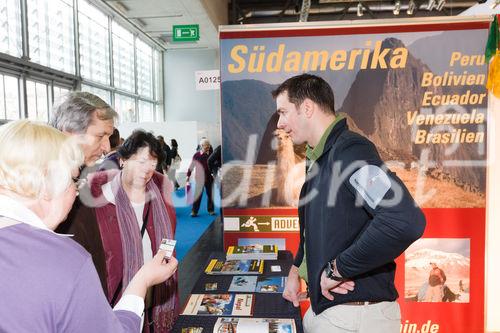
pixel 312 154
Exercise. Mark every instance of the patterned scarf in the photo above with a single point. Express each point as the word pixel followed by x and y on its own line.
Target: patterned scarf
pixel 165 294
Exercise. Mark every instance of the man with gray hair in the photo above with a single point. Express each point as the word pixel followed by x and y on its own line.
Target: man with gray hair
pixel 89 119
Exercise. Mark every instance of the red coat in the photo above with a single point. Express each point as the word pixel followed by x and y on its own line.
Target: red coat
pixel 97 230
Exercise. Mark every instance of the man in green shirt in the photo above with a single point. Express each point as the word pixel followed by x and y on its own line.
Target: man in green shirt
pixel 355 218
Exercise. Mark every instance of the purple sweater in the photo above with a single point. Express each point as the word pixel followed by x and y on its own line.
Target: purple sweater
pixel 48 283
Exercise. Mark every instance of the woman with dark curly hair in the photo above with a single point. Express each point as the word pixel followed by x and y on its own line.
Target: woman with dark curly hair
pixel 123 218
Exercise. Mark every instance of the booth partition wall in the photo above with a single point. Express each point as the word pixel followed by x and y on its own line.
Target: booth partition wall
pixel 51 47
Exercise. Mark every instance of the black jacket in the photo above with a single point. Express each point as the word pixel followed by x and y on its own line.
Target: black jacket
pixel 336 222
pixel 215 161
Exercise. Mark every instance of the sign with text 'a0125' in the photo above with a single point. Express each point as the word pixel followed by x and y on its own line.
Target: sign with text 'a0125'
pixel 207 80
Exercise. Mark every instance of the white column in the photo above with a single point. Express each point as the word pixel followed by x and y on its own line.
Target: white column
pixel 492 286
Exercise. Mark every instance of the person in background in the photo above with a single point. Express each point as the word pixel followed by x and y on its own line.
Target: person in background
pixel 210 149
pixel 437 279
pixel 214 165
pixel 203 178
pixel 165 165
pixel 112 160
pixel 48 282
pixel 90 121
pixel 355 217
pixel 215 161
pixel 126 214
pixel 175 163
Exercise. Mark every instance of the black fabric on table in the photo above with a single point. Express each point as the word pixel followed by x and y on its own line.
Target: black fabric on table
pixel 266 305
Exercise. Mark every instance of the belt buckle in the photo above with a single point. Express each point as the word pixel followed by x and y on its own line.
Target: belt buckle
pixel 359 303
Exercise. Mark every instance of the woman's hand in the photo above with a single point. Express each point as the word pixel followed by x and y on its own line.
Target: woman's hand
pixel 152 273
pixel 159 269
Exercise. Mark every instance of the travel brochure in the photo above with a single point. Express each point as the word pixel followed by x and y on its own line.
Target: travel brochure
pixel 192 330
pixel 235 267
pixel 261 284
pixel 243 283
pixel 219 305
pixel 279 242
pixel 255 251
pixel 270 284
pixel 254 325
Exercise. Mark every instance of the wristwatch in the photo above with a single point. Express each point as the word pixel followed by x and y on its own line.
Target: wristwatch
pixel 331 271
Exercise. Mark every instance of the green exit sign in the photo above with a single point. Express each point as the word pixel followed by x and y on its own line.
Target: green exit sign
pixel 186 33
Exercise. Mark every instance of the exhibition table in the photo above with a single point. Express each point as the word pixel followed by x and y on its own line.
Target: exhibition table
pixel 266 305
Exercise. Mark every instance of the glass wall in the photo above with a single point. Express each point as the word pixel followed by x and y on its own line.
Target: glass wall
pixel 123 58
pixel 103 93
pixel 37 100
pixel 9 97
pixel 99 54
pixel 94 44
pixel 10 31
pixel 51 34
pixel 125 106
pixel 144 69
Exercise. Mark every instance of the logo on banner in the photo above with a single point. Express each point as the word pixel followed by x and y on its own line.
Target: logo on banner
pixel 285 223
pixel 261 224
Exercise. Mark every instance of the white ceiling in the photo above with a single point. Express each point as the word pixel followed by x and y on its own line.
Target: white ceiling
pixel 156 18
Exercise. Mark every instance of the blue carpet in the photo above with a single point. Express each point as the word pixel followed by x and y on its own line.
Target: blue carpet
pixel 189 229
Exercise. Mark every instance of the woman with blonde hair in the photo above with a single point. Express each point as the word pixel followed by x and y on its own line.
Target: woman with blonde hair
pixel 48 282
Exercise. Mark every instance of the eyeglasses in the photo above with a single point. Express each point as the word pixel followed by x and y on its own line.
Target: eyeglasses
pixel 78 183
pixel 143 163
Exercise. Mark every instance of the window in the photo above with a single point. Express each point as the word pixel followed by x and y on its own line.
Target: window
pixel 146 111
pixel 38 100
pixel 144 69
pixel 94 43
pixel 117 62
pixel 51 37
pixel 159 112
pixel 9 97
pixel 123 58
pixel 157 76
pixel 125 106
pixel 10 28
pixel 104 94
pixel 60 94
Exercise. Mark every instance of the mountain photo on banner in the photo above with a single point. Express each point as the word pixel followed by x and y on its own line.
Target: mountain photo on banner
pixel 425 258
pixel 379 104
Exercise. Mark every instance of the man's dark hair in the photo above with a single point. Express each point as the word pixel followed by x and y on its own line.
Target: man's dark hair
pixel 309 86
pixel 139 139
pixel 114 139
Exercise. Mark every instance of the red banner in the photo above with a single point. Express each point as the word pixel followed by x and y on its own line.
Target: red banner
pixel 415 88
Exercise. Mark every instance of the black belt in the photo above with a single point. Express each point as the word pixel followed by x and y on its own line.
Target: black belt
pixel 360 303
